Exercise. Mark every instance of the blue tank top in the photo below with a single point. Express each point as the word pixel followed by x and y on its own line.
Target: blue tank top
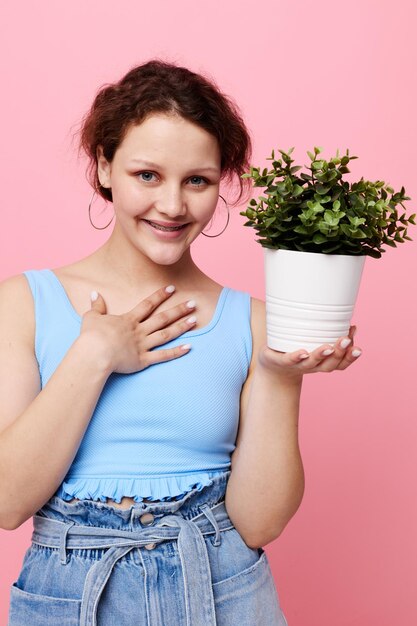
pixel 160 432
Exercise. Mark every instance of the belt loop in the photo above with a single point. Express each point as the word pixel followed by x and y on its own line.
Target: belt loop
pixel 208 513
pixel 62 543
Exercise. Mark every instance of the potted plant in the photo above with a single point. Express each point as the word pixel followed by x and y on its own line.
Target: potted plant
pixel 316 230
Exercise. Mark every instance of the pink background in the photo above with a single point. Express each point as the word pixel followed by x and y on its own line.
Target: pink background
pixel 337 75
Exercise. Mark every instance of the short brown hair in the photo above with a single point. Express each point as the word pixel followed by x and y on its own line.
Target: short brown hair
pixel 162 87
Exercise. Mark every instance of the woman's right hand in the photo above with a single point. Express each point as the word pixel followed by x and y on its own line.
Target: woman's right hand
pixel 126 340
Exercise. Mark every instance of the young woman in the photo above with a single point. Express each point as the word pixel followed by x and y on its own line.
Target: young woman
pixel 149 430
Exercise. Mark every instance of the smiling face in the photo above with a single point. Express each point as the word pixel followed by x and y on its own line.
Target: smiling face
pixel 164 178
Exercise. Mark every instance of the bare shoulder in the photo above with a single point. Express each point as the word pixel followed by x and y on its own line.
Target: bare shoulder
pixel 15 285
pixel 17 306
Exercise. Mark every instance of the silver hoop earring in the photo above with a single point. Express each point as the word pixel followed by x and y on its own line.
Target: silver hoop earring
pixel 228 217
pixel 89 214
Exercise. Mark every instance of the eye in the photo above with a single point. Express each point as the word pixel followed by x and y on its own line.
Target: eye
pixel 204 180
pixel 200 180
pixel 147 180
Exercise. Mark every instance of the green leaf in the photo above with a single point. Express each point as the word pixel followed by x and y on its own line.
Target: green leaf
pixel 332 174
pixel 331 249
pixel 297 190
pixel 301 229
pixel 346 230
pixel 311 155
pixel 330 218
pixel 360 233
pixel 319 238
pixel 374 253
pixel 322 190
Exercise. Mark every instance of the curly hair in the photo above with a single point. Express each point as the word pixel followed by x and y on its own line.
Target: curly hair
pixel 162 87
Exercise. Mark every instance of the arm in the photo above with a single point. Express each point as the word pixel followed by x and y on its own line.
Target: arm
pixel 40 431
pixel 266 485
pixel 267 472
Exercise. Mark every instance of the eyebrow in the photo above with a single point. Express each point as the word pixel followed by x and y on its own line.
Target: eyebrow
pixel 150 164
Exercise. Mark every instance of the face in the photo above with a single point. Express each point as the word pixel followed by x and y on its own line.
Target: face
pixel 164 178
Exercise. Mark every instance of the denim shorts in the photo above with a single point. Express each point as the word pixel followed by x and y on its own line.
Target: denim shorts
pixel 173 563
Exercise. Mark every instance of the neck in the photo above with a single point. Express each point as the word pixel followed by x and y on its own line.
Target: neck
pixel 129 267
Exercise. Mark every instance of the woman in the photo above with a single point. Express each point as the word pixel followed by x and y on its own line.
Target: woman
pixel 149 431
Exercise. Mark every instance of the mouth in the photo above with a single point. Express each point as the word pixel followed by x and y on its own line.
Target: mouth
pixel 167 226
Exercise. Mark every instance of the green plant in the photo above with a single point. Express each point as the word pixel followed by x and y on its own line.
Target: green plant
pixel 318 211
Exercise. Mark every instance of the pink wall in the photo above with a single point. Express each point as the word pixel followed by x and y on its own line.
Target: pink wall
pixel 309 73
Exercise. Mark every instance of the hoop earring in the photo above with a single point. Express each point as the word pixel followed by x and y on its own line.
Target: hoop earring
pixel 228 217
pixel 89 214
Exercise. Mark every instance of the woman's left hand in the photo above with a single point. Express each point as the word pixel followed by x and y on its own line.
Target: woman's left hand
pixel 288 365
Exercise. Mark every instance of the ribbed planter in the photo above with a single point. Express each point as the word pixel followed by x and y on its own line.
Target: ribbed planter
pixel 310 297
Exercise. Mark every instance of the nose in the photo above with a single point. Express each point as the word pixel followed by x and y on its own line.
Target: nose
pixel 171 202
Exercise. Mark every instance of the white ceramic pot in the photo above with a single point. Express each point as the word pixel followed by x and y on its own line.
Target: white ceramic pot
pixel 310 297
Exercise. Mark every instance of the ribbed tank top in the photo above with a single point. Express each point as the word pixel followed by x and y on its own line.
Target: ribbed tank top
pixel 160 432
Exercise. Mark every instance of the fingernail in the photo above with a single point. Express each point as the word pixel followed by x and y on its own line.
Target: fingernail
pixel 192 319
pixel 345 342
pixel 170 289
pixel 191 304
pixel 356 352
pixel 93 295
pixel 327 352
pixel 303 356
pixel 186 346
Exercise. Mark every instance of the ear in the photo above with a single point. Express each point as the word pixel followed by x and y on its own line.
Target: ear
pixel 103 168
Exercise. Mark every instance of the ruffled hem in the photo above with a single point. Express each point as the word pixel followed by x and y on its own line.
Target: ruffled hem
pixel 167 487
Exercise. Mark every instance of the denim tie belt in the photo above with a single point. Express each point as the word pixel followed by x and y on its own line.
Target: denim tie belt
pixel 199 600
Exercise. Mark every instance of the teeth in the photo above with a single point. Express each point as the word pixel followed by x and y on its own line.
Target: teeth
pixel 167 228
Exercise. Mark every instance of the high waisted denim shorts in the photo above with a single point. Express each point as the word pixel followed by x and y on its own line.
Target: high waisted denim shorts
pixel 172 563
